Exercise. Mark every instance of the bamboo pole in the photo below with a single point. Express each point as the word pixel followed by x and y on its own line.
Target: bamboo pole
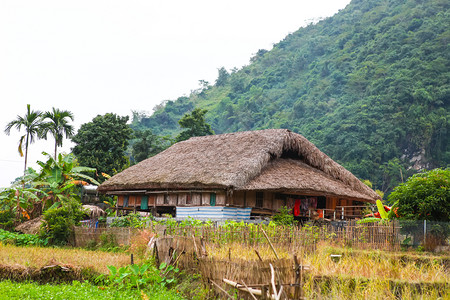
pixel 253 296
pixel 272 280
pixel 270 243
pixel 220 288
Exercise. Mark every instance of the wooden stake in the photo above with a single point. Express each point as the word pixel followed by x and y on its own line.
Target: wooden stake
pixel 257 253
pixel 297 278
pixel 270 243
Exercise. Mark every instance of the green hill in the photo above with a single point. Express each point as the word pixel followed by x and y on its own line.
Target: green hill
pixel 369 86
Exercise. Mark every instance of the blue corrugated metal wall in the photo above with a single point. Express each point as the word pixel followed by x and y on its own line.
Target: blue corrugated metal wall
pixel 214 212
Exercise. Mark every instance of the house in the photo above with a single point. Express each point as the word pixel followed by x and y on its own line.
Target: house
pixel 238 175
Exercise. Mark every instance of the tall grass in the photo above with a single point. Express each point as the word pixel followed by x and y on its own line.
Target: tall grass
pixel 37 257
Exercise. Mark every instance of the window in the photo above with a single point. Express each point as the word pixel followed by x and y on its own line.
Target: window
pixel 188 199
pixel 259 199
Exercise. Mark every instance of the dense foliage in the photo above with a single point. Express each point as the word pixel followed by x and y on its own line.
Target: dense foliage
pixel 58 126
pixel 424 196
pixel 369 86
pixel 8 237
pixel 101 144
pixel 58 222
pixel 74 291
pixel 194 125
pixel 146 144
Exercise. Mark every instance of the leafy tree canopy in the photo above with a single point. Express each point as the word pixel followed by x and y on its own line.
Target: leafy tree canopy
pixel 101 144
pixel 57 123
pixel 195 125
pixel 147 145
pixel 33 125
pixel 424 196
pixel 369 86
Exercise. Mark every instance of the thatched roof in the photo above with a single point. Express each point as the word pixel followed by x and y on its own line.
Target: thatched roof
pixel 238 161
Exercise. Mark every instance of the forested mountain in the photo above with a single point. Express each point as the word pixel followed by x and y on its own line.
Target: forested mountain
pixel 369 86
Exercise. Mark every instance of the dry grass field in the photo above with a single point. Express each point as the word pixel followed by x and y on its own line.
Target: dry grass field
pixel 38 257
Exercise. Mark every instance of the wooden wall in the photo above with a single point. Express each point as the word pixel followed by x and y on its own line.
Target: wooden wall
pixel 271 202
pixel 250 198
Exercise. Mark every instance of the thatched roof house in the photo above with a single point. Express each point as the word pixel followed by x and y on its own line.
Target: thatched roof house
pixel 277 163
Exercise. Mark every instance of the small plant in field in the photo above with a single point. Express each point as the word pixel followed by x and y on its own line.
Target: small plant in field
pixel 139 276
pixel 17 239
pixel 132 220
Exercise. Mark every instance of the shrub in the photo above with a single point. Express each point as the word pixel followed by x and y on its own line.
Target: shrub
pixel 58 222
pixel 424 196
pixel 131 220
pixel 283 217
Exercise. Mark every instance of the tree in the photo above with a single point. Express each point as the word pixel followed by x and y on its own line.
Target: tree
pixel 223 76
pixel 58 177
pixel 58 126
pixel 33 124
pixel 101 144
pixel 424 196
pixel 195 124
pixel 147 145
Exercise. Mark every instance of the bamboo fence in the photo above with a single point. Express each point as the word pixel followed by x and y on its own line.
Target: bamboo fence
pixel 118 235
pixel 362 236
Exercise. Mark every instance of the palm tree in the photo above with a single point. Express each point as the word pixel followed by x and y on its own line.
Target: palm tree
pixel 32 122
pixel 58 126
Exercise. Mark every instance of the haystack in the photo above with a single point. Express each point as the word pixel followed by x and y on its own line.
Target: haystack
pixel 31 226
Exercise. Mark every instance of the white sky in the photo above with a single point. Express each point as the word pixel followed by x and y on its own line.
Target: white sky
pixel 93 57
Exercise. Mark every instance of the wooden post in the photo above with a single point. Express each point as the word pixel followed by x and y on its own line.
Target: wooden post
pixel 270 243
pixel 264 292
pixel 257 253
pixel 297 278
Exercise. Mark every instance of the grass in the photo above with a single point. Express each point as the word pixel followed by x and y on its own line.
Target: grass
pixel 76 291
pixel 38 257
pixel 358 274
pixel 375 264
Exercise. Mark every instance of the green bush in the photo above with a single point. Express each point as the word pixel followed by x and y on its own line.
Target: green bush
pixel 131 220
pixel 140 276
pixel 283 217
pixel 424 196
pixel 58 222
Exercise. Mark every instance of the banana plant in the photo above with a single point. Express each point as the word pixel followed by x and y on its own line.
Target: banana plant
pixel 58 178
pixel 385 215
